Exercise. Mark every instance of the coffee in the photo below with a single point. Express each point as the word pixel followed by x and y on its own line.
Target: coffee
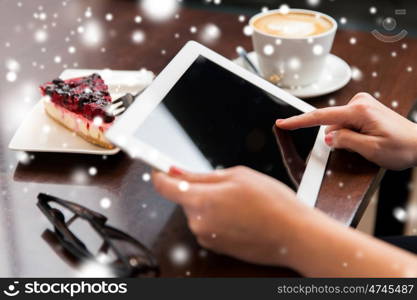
pixel 293 24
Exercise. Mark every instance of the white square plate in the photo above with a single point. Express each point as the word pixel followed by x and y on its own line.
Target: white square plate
pixel 39 133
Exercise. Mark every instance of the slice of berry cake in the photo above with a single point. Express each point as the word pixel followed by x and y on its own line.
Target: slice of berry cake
pixel 80 105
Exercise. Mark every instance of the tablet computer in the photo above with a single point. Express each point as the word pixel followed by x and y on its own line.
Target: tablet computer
pixel 204 112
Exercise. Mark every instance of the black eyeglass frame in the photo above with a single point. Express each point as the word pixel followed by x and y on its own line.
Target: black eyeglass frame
pixel 97 221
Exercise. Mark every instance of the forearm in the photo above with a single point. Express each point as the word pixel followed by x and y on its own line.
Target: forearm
pixel 324 248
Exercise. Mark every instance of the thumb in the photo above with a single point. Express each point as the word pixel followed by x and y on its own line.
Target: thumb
pixel 351 140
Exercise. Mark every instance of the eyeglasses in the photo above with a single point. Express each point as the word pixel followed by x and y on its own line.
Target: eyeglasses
pixel 125 263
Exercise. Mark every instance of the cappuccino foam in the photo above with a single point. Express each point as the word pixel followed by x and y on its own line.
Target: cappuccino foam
pixel 293 24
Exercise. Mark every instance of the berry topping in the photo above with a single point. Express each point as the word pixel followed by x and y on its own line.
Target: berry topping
pixel 87 96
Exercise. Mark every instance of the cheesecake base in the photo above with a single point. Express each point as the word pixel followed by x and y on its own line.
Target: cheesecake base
pixel 83 127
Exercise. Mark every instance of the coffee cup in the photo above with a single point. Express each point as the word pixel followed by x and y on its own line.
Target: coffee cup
pixel 292 45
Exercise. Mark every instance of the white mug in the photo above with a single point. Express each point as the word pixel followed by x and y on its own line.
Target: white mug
pixel 292 61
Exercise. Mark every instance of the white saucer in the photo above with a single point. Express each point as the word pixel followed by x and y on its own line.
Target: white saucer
pixel 39 133
pixel 336 75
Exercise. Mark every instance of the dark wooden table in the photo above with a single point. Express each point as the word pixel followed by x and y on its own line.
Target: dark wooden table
pixel 135 207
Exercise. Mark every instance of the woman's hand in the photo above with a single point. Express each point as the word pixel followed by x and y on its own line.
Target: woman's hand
pixel 236 211
pixel 365 126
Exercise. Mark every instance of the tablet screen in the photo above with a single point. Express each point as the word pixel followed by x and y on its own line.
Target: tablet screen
pixel 212 118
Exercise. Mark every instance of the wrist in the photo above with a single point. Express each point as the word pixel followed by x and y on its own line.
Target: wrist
pixel 293 243
pixel 299 240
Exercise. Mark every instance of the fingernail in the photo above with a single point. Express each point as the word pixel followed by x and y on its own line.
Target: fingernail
pixel 329 138
pixel 175 171
pixel 279 121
